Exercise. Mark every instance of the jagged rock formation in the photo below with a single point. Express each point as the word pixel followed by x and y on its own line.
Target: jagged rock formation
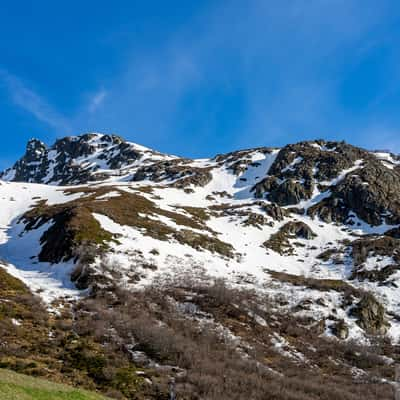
pixel 279 241
pixel 77 159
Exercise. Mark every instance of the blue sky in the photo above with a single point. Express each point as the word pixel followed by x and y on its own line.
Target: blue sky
pixel 197 78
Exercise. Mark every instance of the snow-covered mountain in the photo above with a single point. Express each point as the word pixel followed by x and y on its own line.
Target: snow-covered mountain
pixel 315 209
pixel 316 224
pixel 80 159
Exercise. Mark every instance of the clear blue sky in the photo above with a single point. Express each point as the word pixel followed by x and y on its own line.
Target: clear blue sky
pixel 197 78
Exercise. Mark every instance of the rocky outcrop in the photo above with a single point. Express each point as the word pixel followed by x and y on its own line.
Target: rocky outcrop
pixel 289 192
pixel 340 329
pixel 373 193
pixel 256 220
pixel 355 181
pixel 375 275
pixel 279 241
pixel 180 171
pixel 275 212
pixel 370 315
pixel 32 167
pixel 379 247
pixel 75 160
pixel 320 160
pixel 239 161
pixel 299 167
pixel 375 246
pixel 331 209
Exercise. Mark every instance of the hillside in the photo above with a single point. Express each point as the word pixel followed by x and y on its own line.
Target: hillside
pixel 282 257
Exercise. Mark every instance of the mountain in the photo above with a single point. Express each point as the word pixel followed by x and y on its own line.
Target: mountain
pixel 281 257
pixel 79 159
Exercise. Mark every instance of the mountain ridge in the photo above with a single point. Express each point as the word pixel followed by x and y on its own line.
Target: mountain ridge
pixel 307 233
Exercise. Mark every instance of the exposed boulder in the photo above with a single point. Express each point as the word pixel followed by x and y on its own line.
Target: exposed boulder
pixel 289 192
pixel 275 212
pixel 279 241
pixel 340 329
pixel 370 315
pixel 256 220
pixel 331 209
pixel 299 229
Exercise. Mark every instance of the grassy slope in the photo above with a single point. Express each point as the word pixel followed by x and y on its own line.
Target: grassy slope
pixel 15 386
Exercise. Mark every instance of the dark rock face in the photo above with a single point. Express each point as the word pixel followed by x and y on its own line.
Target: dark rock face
pixel 72 160
pixel 178 170
pixel 331 209
pixel 356 182
pixel 299 160
pixel 370 315
pixel 238 161
pixel 275 212
pixel 289 193
pixel 373 193
pixel 375 246
pixel 33 166
pixel 299 230
pixel 340 329
pixel 279 241
pixel 298 167
pixel 113 153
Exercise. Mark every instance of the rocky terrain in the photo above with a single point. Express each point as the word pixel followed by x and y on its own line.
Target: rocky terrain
pixel 259 260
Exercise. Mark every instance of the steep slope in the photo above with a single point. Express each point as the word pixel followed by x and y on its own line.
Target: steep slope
pixel 313 227
pixel 316 209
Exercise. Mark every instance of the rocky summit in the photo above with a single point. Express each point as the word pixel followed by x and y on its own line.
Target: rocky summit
pixel 157 275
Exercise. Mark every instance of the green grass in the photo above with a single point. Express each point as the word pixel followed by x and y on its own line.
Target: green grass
pixel 15 386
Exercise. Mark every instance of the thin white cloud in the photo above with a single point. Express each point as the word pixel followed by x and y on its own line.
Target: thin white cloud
pixel 97 100
pixel 30 101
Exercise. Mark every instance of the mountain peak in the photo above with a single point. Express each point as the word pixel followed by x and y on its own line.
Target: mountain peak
pixel 34 144
pixel 78 159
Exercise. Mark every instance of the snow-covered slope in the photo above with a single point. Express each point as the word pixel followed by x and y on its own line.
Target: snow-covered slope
pixel 320 211
pixel 19 249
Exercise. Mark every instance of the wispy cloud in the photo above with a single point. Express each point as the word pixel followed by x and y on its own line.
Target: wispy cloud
pixel 30 101
pixel 237 75
pixel 97 100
